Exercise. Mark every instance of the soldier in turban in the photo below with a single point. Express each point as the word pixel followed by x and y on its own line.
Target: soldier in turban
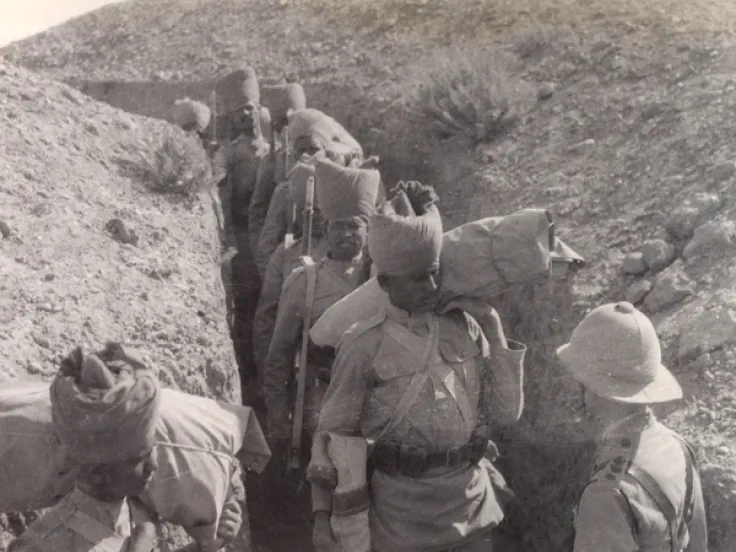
pixel 283 261
pixel 309 132
pixel 238 97
pixel 410 380
pixel 105 408
pixel 346 198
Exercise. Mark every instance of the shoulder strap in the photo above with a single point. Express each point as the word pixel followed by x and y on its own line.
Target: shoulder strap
pixel 678 524
pixel 103 538
pixel 415 385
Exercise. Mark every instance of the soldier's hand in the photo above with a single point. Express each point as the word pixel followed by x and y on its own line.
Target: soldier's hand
pixel 322 537
pixel 421 196
pixel 230 522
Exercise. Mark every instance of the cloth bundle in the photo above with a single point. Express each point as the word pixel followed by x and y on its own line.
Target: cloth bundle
pixel 197 441
pixel 479 260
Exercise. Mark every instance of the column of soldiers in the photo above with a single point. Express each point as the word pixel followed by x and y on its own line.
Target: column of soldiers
pixel 416 382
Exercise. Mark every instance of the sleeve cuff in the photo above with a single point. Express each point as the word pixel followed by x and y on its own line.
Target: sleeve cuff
pixel 321 499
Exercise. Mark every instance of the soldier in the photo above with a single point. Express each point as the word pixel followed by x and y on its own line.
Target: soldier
pixel 239 97
pixel 346 198
pixel 268 196
pixel 410 380
pixel 106 421
pixel 283 261
pixel 644 492
pixel 309 132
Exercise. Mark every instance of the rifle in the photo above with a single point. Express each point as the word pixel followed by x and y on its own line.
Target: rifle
pixel 289 237
pixel 310 270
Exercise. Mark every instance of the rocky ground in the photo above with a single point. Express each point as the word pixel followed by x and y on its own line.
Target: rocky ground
pixel 623 131
pixel 88 254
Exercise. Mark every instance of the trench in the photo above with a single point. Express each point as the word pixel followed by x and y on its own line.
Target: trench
pixel 545 456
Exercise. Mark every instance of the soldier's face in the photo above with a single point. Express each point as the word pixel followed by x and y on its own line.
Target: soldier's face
pixel 414 293
pixel 129 477
pixel 347 238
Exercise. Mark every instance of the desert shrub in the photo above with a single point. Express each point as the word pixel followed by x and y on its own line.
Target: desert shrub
pixel 177 165
pixel 470 96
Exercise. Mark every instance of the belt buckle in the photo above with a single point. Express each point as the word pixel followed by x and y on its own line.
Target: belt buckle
pixel 412 460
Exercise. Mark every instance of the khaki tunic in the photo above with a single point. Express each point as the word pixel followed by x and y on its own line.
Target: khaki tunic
pixel 270 169
pixel 282 263
pixel 615 513
pixel 446 507
pixel 334 280
pixel 77 524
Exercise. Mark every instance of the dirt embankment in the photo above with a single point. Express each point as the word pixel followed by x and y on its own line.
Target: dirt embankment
pixel 88 254
pixel 624 134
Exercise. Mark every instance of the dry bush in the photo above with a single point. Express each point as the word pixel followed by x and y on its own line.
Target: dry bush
pixel 179 165
pixel 473 97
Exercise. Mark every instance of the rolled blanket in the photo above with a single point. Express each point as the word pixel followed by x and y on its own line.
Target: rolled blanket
pixel 346 192
pixel 105 413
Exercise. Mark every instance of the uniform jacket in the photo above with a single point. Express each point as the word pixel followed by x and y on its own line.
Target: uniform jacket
pixel 615 513
pixel 79 523
pixel 270 167
pixel 375 363
pixel 283 261
pixel 334 281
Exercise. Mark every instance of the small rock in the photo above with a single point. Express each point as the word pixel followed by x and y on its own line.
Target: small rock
pixel 634 264
pixel 121 233
pixel 723 450
pixel 49 277
pixel 34 368
pixel 638 291
pixel 685 219
pixel 712 239
pixel 585 143
pixel 709 376
pixel 4 229
pixel 702 363
pixel 46 307
pixel 546 91
pixel 671 286
pixel 658 254
pixel 40 340
pixel 710 331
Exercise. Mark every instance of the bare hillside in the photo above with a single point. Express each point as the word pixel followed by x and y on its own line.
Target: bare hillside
pixel 615 116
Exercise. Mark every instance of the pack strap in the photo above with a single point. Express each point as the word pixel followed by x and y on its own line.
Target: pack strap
pixel 412 392
pixel 678 524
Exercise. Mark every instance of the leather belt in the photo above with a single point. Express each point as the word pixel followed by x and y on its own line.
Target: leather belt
pixel 413 461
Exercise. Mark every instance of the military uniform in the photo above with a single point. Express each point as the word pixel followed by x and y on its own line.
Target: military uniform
pixel 275 227
pixel 79 523
pixel 452 504
pixel 644 492
pixel 281 264
pixel 620 511
pixel 334 280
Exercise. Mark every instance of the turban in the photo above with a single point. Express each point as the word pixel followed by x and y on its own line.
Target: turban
pixel 297 178
pixel 283 98
pixel 238 89
pixel 402 243
pixel 346 192
pixel 322 129
pixel 105 406
pixel 189 115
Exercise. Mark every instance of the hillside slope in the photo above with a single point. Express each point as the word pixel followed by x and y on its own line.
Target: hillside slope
pixel 623 132
pixel 67 278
